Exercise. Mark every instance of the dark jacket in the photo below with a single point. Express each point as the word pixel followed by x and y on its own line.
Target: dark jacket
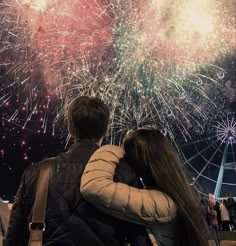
pixel 231 206
pixel 69 219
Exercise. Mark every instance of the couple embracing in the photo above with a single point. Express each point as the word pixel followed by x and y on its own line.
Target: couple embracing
pixel 135 195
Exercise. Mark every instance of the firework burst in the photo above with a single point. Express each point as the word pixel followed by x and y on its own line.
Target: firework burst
pixel 144 58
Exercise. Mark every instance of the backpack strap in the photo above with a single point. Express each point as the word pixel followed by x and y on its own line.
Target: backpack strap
pixel 37 226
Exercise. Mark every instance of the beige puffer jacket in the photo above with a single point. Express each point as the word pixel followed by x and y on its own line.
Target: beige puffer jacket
pixel 150 208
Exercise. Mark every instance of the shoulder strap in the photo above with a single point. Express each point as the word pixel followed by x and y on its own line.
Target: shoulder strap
pixel 37 226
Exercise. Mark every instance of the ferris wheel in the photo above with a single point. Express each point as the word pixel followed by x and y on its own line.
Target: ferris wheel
pixel 211 161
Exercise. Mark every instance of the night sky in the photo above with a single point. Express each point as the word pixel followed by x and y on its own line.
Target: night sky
pixel 163 64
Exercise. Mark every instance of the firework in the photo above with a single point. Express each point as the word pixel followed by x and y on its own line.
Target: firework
pixel 149 60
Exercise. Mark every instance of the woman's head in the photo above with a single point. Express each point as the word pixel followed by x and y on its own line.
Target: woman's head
pixel 151 155
pixel 143 143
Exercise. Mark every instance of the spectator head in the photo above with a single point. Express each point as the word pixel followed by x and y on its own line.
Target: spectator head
pixel 211 199
pixel 224 202
pixel 153 158
pixel 87 118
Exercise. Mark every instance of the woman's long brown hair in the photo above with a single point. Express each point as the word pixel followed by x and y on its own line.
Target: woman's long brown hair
pixel 155 160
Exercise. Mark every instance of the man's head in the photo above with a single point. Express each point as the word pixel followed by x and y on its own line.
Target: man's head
pixel 87 118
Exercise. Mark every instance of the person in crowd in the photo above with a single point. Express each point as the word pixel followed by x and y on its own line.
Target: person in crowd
pixel 229 200
pixel 166 205
pixel 216 206
pixel 4 220
pixel 231 206
pixel 225 220
pixel 70 220
pixel 214 225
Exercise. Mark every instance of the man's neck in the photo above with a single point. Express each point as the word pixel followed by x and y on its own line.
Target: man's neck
pixel 98 142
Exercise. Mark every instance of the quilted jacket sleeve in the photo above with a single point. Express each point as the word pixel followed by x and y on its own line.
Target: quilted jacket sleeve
pixel 18 232
pixel 141 206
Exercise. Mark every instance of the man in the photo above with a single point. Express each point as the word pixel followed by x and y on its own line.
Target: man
pixel 69 219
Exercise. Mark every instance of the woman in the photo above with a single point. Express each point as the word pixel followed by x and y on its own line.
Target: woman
pixel 168 206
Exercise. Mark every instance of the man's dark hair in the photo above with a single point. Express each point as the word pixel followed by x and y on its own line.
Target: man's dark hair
pixel 88 118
